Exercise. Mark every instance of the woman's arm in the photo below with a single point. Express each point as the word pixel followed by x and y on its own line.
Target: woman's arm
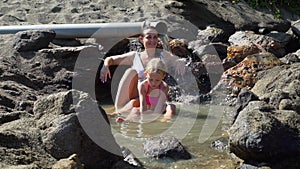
pixel 124 59
pixel 174 62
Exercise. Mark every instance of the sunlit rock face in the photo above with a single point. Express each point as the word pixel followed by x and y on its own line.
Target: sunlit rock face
pixel 268 43
pixel 244 73
pixel 71 162
pixel 236 54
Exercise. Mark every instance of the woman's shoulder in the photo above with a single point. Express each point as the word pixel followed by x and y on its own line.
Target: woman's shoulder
pixel 125 56
pixel 131 53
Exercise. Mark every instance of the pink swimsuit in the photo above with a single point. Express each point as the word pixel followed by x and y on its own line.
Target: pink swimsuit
pixel 152 101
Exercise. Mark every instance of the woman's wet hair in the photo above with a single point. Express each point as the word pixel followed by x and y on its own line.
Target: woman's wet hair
pixel 149 29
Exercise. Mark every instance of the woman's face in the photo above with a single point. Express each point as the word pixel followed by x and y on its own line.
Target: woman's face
pixel 150 38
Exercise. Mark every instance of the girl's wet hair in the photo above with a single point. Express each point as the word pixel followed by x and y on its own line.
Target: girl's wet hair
pixel 156 66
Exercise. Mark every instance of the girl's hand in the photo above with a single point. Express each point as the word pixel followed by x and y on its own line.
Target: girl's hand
pixel 104 73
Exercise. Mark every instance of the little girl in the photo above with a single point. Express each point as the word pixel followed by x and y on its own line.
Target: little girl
pixel 153 93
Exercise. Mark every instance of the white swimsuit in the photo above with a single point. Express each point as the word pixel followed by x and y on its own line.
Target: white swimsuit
pixel 139 66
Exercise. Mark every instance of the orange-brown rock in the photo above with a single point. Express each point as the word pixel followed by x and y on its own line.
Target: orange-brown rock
pixel 179 47
pixel 244 73
pixel 236 54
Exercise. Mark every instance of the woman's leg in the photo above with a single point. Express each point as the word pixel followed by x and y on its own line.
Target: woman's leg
pixel 133 103
pixel 133 114
pixel 127 89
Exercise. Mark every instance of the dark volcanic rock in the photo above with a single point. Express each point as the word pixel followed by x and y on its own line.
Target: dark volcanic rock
pixel 165 146
pixel 280 87
pixel 62 118
pixel 33 40
pixel 261 133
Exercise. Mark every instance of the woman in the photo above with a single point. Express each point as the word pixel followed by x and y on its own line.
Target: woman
pixel 127 90
pixel 153 92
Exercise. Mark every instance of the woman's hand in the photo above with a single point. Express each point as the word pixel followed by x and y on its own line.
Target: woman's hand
pixel 104 73
pixel 180 66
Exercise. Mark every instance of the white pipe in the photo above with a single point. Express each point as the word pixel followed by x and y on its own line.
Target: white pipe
pixel 96 30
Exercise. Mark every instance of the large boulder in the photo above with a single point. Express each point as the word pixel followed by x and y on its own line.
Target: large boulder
pixel 65 121
pixel 20 145
pixel 280 87
pixel 263 134
pixel 268 130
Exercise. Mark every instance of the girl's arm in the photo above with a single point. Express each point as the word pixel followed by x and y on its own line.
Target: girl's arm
pixel 159 108
pixel 142 88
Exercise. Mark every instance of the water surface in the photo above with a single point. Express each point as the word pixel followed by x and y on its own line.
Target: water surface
pixel 197 126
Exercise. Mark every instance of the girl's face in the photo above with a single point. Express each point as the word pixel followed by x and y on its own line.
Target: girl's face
pixel 154 79
pixel 150 38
